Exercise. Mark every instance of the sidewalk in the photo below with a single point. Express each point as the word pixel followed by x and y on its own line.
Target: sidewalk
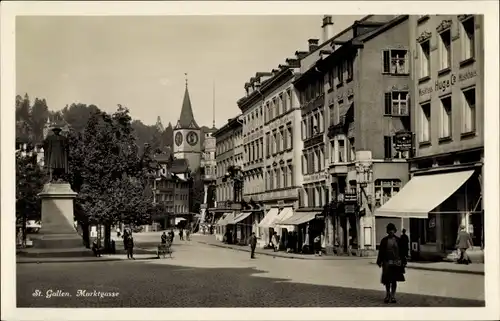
pixel 477 269
pixel 446 267
pixel 210 240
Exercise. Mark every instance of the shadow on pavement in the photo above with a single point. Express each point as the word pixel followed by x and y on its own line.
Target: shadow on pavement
pixel 170 286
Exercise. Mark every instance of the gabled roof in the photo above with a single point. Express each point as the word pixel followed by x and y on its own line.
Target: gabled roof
pixel 186 120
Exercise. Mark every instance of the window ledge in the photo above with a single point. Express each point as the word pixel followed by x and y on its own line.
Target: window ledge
pixel 445 139
pixel 444 71
pixel 340 85
pixel 395 74
pixel 330 90
pixel 468 135
pixel 424 79
pixel 424 144
pixel 467 62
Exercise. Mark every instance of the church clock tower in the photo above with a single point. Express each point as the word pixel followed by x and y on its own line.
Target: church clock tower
pixel 187 135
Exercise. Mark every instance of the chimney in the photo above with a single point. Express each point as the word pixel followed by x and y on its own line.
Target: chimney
pixel 300 54
pixel 327 28
pixel 293 63
pixel 313 44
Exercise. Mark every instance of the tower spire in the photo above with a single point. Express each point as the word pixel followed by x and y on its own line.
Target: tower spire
pixel 186 76
pixel 213 106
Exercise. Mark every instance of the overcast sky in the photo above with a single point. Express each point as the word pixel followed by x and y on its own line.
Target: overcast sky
pixel 140 62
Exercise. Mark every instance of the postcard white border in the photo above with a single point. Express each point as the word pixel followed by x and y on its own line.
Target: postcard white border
pixel 491 181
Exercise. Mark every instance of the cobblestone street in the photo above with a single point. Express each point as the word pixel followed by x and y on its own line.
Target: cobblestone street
pixel 204 276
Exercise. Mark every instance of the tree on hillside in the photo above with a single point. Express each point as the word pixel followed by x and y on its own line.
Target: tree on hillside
pixel 29 182
pixel 77 115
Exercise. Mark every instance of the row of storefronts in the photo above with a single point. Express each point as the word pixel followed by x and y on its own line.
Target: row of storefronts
pixel 352 143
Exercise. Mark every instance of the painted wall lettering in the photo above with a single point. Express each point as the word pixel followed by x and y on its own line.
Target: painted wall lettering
pixel 442 85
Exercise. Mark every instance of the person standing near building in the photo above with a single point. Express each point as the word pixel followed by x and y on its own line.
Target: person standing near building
pixel 181 234
pixel 130 247
pixel 405 243
pixel 253 245
pixel 392 261
pixel 275 241
pixel 464 242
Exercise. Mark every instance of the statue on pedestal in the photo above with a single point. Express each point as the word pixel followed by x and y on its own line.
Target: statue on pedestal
pixel 56 155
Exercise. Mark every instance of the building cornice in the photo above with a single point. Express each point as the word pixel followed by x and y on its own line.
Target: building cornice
pixel 232 124
pixel 246 102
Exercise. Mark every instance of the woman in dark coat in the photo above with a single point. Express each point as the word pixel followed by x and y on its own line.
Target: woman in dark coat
pixel 392 260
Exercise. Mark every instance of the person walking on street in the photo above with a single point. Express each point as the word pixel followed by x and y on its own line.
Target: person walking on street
pixel 171 234
pixel 164 238
pixel 317 245
pixel 188 233
pixel 405 243
pixel 253 245
pixel 464 242
pixel 181 234
pixel 130 247
pixel 392 261
pixel 275 242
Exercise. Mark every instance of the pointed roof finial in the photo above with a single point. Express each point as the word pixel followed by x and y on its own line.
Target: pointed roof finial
pixel 186 75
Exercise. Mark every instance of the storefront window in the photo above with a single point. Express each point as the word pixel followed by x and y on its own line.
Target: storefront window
pixel 430 229
pixel 385 189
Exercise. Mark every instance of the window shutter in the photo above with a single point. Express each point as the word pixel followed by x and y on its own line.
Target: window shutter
pixel 408 104
pixel 388 103
pixel 387 147
pixel 387 61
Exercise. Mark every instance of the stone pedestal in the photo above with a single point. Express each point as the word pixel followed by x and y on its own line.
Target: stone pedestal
pixel 57 231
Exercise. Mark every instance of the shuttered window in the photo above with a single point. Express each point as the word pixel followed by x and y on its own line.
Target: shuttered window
pixel 387 61
pixel 387 147
pixel 388 103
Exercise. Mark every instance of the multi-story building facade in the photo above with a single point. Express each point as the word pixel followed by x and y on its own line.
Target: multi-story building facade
pixel 171 190
pixel 446 186
pixel 252 116
pixel 281 151
pixel 209 170
pixel 229 152
pixel 354 91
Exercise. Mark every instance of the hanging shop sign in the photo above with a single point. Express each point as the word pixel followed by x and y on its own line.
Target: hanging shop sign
pixel 350 198
pixel 319 217
pixel 403 141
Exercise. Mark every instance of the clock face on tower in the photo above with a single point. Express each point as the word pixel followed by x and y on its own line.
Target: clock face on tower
pixel 192 138
pixel 178 139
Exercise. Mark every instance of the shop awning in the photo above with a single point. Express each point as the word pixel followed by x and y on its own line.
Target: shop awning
pixel 285 214
pixel 269 219
pixel 299 218
pixel 179 219
pixel 422 194
pixel 238 218
pixel 224 219
pixel 241 217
